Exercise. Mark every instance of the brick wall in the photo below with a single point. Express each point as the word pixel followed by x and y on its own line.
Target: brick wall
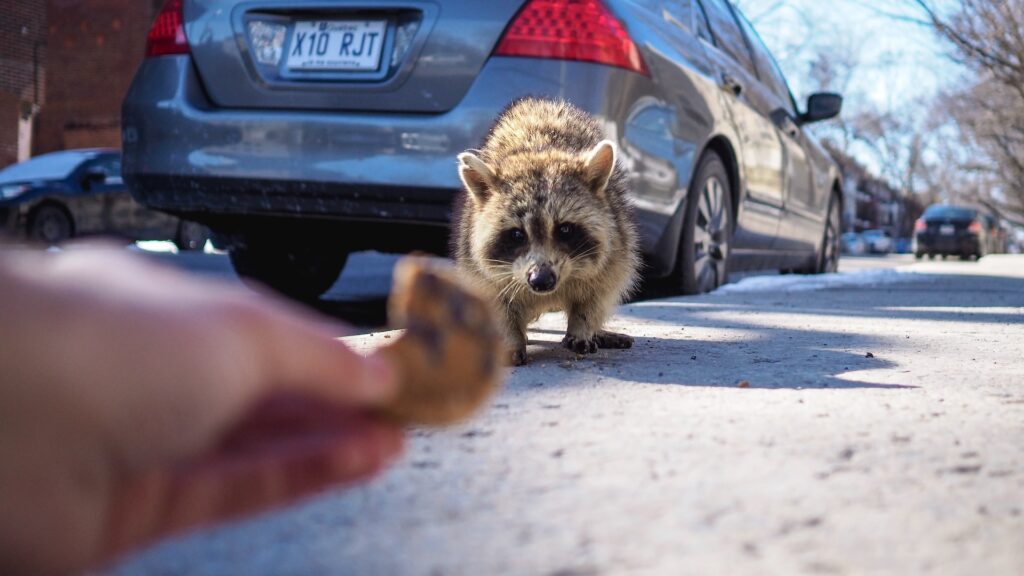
pixel 94 48
pixel 22 43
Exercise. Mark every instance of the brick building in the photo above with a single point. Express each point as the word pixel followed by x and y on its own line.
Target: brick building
pixel 94 48
pixel 89 51
pixel 22 74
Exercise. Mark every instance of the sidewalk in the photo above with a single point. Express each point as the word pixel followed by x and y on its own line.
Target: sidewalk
pixel 872 426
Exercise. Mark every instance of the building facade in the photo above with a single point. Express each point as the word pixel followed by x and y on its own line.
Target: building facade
pixel 65 66
pixel 94 48
pixel 23 32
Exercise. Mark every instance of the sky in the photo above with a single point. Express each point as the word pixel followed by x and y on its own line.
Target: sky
pixel 898 62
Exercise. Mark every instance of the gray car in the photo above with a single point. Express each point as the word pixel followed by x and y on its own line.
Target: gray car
pixel 302 131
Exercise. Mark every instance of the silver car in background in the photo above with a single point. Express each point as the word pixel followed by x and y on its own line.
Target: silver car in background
pixel 301 131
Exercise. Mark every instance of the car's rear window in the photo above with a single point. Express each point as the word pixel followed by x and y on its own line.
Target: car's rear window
pixel 949 213
pixel 55 166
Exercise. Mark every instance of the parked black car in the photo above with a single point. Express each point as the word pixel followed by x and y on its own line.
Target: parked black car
pixel 265 121
pixel 948 230
pixel 61 195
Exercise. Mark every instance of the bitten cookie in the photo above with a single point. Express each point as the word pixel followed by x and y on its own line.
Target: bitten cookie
pixel 449 360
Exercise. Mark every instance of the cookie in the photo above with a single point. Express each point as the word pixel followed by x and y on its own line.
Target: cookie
pixel 449 360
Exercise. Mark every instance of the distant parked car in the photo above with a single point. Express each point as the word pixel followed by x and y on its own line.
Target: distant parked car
pixel 54 197
pixel 303 131
pixel 948 230
pixel 903 245
pixel 853 244
pixel 878 241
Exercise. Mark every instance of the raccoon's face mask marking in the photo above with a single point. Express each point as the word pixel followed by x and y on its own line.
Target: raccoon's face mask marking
pixel 537 252
pixel 541 224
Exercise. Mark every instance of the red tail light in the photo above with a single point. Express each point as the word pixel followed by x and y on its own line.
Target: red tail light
pixel 975 227
pixel 167 36
pixel 571 30
pixel 920 225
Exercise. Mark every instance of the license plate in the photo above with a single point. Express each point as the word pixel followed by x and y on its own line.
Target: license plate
pixel 947 229
pixel 354 45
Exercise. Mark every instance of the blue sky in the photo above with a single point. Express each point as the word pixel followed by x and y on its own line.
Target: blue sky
pixel 898 63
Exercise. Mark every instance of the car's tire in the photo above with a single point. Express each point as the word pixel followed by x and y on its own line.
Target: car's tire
pixel 827 259
pixel 703 261
pixel 191 236
pixel 302 272
pixel 50 224
pixel 918 255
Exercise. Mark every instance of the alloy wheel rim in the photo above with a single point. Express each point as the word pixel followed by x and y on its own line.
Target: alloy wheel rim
pixel 52 229
pixel 711 238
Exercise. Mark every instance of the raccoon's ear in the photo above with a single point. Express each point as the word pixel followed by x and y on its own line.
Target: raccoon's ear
pixel 600 163
pixel 476 175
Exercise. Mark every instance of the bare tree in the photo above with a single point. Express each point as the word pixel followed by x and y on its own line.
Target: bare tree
pixel 988 38
pixel 832 69
pixel 898 141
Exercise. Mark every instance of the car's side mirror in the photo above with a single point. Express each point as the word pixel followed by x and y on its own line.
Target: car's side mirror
pixel 822 106
pixel 93 177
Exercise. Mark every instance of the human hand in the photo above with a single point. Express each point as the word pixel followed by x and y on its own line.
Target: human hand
pixel 137 403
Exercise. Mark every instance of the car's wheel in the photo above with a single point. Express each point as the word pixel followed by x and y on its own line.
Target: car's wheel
pixel 191 236
pixel 827 259
pixel 302 272
pixel 918 255
pixel 50 225
pixel 931 256
pixel 703 260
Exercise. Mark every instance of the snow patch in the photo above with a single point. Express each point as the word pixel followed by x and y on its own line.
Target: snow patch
pixel 797 283
pixel 160 246
pixel 209 248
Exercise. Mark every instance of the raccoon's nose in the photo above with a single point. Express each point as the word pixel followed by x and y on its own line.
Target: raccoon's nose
pixel 541 278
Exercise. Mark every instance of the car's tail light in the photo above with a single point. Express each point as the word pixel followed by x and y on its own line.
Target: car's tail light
pixel 167 36
pixel 571 30
pixel 975 227
pixel 920 225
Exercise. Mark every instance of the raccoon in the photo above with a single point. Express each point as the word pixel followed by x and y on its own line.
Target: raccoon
pixel 545 225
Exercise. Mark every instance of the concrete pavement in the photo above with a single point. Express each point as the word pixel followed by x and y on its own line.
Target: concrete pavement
pixel 872 426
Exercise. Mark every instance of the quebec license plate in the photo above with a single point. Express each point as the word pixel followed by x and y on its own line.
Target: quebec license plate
pixel 348 45
pixel 947 229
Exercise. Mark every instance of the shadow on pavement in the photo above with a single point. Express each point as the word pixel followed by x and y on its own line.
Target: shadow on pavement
pixel 817 355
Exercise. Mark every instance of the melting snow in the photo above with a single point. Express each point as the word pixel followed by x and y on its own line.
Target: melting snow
pixel 798 283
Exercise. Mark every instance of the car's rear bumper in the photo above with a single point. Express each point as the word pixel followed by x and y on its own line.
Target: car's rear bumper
pixel 181 154
pixel 929 243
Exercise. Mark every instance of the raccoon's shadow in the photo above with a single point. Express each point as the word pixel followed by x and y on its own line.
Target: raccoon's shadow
pixel 661 360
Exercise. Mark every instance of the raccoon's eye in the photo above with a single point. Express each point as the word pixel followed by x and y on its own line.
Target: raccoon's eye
pixel 566 230
pixel 516 235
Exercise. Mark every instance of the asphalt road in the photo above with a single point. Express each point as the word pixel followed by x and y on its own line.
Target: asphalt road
pixel 863 423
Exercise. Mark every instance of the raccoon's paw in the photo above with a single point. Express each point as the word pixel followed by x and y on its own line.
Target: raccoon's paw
pixel 580 345
pixel 614 340
pixel 517 357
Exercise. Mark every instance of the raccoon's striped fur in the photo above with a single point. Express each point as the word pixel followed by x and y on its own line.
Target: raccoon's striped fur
pixel 545 224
